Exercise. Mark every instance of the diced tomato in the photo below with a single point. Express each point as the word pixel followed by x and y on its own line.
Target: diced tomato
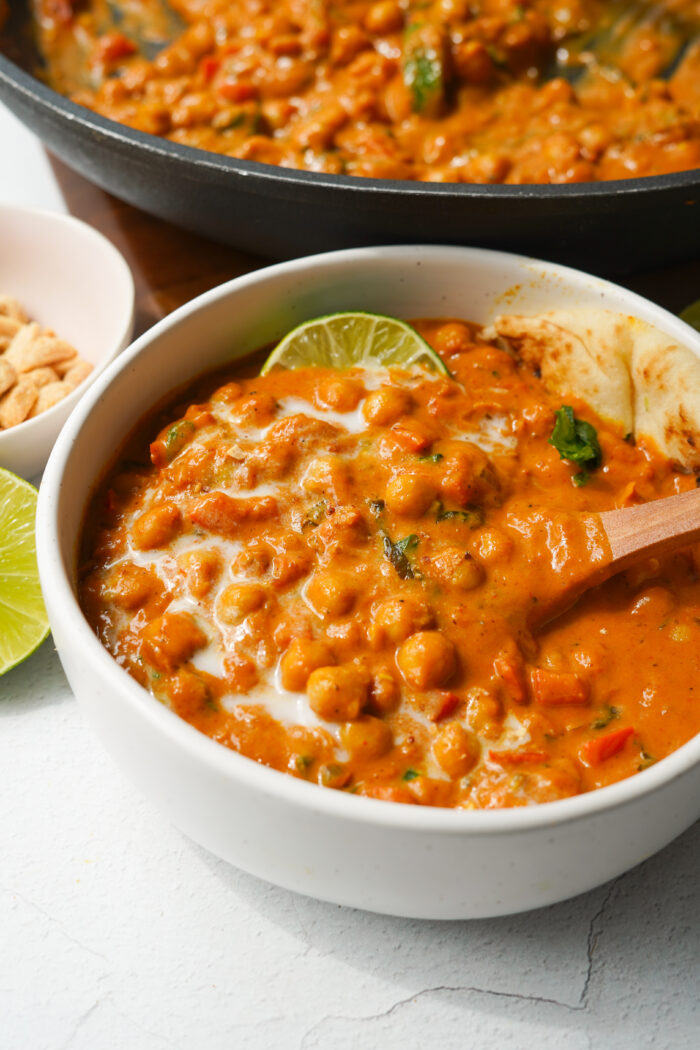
pixel 553 688
pixel 595 751
pixel 517 758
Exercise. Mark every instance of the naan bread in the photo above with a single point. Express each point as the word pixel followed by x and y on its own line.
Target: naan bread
pixel 630 373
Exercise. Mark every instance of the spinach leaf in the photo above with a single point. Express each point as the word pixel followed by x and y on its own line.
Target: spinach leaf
pixel 396 554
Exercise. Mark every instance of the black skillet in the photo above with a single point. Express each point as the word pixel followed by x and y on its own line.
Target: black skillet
pixel 608 227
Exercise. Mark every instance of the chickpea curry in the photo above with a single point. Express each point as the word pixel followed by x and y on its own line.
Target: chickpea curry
pixel 334 572
pixel 473 91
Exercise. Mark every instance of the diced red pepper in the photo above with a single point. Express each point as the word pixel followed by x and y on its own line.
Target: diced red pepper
pixel 440 704
pixel 113 46
pixel 512 673
pixel 553 688
pixel 209 67
pixel 595 751
pixel 411 436
pixel 237 90
pixel 517 758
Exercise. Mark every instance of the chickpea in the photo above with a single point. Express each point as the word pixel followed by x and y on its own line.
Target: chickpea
pixel 494 546
pixel 131 586
pixel 384 406
pixel 654 601
pixel 171 639
pixel 484 712
pixel 188 693
pixel 337 694
pixel 384 693
pixel 254 561
pixel 348 41
pixel 316 133
pixel 427 660
pixel 456 750
pixel 466 474
pixel 342 395
pixel 366 738
pixel 227 393
pixel 255 410
pixel 385 16
pixel 325 476
pixel 452 338
pixel 202 569
pixel 409 495
pixel 156 527
pixel 399 618
pixel 387 792
pixel 302 657
pixel 330 594
pixel 238 600
pixel 240 673
pixel 472 62
pixel 455 567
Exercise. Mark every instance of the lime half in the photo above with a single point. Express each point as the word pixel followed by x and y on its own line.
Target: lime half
pixel 23 621
pixel 354 340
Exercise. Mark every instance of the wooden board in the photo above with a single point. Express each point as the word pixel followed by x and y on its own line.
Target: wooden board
pixel 171 266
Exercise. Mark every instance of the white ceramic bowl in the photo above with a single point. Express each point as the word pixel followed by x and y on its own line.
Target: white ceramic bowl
pixel 404 860
pixel 69 278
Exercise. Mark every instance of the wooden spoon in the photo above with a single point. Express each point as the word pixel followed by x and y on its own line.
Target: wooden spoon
pixel 626 537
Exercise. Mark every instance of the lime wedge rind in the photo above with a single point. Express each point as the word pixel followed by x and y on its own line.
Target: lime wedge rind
pixel 354 339
pixel 23 621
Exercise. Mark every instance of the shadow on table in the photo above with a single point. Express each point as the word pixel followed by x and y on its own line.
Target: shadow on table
pixel 36 683
pixel 573 966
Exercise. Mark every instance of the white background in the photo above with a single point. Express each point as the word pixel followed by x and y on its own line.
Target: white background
pixel 117 933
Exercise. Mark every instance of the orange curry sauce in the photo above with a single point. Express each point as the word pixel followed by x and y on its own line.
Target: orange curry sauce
pixel 477 91
pixel 332 573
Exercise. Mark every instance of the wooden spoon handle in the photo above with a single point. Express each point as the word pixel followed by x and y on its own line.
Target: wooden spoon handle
pixel 652 529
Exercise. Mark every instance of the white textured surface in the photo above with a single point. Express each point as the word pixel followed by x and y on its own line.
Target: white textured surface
pixel 117 932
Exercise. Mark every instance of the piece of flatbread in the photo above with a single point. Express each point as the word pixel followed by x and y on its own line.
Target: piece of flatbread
pixel 630 373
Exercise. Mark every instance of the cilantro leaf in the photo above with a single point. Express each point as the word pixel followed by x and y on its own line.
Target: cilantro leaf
pixel 576 440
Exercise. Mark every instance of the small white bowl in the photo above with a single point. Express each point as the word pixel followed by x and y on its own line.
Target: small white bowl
pixel 73 280
pixel 382 856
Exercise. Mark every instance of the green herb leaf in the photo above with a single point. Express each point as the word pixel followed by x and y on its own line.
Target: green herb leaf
pixel 411 774
pixel 647 760
pixel 178 434
pixel 582 478
pixel 315 515
pixel 433 457
pixel 396 554
pixel 609 713
pixel 472 516
pixel 576 440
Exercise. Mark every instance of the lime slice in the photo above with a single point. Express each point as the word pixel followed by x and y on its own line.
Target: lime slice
pixel 691 315
pixel 23 621
pixel 354 340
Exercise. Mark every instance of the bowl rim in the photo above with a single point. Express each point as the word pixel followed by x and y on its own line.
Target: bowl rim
pixel 128 289
pixel 63 108
pixel 231 765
